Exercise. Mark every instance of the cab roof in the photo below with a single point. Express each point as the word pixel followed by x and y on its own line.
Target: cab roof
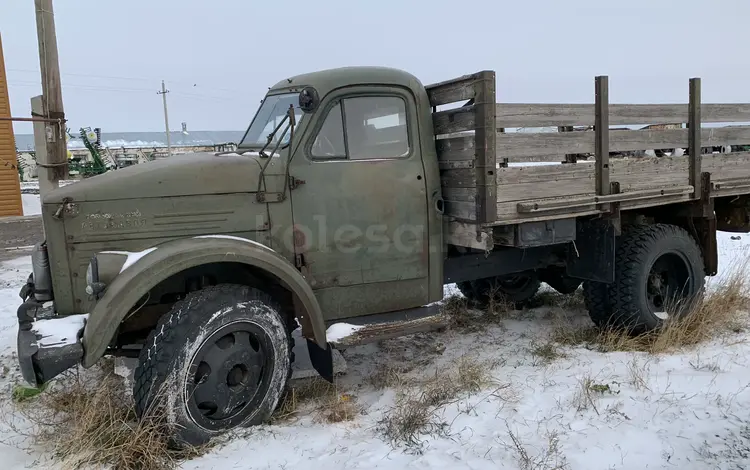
pixel 325 81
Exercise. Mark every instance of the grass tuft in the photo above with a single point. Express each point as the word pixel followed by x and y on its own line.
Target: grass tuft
pixel 417 409
pixel 722 310
pixel 94 424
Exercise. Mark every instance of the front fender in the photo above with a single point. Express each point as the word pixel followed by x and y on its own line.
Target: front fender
pixel 172 257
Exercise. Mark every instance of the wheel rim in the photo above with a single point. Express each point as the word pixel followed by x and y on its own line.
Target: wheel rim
pixel 229 376
pixel 668 283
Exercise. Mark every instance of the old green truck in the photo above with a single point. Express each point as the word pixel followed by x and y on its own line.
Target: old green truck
pixel 354 196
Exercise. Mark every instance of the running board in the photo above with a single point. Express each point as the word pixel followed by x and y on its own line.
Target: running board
pixel 372 328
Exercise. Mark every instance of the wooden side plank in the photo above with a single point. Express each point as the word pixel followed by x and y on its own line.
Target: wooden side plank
pixel 520 183
pixel 521 144
pixel 455 148
pixel 454 120
pixel 510 115
pixel 451 91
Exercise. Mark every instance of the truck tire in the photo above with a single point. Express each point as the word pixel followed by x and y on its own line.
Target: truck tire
pixel 655 265
pixel 597 301
pixel 516 289
pixel 220 359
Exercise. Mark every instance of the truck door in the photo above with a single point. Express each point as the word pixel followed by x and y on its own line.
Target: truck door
pixel 360 218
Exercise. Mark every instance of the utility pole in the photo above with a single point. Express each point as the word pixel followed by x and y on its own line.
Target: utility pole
pixel 52 102
pixel 163 94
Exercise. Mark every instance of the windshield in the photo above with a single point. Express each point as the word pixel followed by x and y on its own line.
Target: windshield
pixel 271 113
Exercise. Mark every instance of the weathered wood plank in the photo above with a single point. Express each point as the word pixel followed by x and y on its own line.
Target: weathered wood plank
pixel 521 144
pixel 485 144
pixel 552 188
pixel 694 136
pixel 455 164
pixel 461 210
pixel 638 174
pixel 519 183
pixel 454 120
pixel 510 115
pixel 512 144
pixel 574 202
pixel 727 166
pixel 729 135
pixel 450 91
pixel 459 178
pixel 601 135
pixel 468 235
pixel 460 194
pixel 542 173
pixel 455 148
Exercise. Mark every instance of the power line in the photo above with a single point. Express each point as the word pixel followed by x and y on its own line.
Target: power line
pixel 126 90
pixel 112 77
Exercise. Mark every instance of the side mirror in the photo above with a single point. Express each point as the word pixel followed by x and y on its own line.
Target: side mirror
pixel 308 99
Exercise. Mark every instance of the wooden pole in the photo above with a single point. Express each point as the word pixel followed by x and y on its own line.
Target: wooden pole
pixel 51 91
pixel 694 137
pixel 46 181
pixel 601 135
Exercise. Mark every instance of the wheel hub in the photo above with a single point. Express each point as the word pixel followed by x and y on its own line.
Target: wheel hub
pixel 668 282
pixel 229 369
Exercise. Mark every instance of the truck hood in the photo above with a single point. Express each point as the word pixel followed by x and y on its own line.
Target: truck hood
pixel 179 175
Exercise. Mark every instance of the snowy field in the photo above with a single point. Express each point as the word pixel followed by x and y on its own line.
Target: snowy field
pixel 688 410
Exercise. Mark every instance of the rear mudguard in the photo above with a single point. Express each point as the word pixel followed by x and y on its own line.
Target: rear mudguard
pixel 172 257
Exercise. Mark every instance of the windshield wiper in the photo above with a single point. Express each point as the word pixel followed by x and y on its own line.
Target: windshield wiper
pixel 290 125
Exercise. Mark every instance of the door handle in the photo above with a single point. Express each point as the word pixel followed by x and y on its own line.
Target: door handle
pixel 439 202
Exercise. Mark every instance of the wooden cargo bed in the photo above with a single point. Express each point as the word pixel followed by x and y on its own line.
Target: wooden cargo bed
pixel 500 167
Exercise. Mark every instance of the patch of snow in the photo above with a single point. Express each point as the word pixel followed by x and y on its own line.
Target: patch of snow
pixel 132 257
pixel 338 331
pixel 57 332
pixel 32 205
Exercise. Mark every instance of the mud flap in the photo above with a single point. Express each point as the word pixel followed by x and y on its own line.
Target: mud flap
pixel 321 359
pixel 592 255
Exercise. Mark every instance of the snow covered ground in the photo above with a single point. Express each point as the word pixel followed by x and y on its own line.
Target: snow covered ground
pixel 31 204
pixel 689 410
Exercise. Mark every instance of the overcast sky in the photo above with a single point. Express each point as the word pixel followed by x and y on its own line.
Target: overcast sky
pixel 219 57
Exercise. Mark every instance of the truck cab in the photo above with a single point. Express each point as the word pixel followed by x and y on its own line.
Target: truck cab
pixel 330 209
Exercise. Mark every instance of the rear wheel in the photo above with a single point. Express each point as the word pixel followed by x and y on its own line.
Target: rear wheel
pixel 218 360
pixel 516 289
pixel 598 304
pixel 658 272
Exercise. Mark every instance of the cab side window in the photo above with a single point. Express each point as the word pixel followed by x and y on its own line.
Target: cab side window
pixel 361 128
pixel 329 142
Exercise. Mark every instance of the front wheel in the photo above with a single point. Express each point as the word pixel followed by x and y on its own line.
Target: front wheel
pixel 220 359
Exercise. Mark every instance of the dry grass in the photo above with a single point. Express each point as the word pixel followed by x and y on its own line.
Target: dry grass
pixel 417 408
pixel 588 392
pixel 721 311
pixel 549 458
pixel 325 399
pixel 551 298
pixel 93 424
pixel 388 375
pixel 465 317
pixel 638 374
pixel 546 353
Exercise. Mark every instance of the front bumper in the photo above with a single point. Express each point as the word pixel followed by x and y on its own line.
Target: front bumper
pixel 49 346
